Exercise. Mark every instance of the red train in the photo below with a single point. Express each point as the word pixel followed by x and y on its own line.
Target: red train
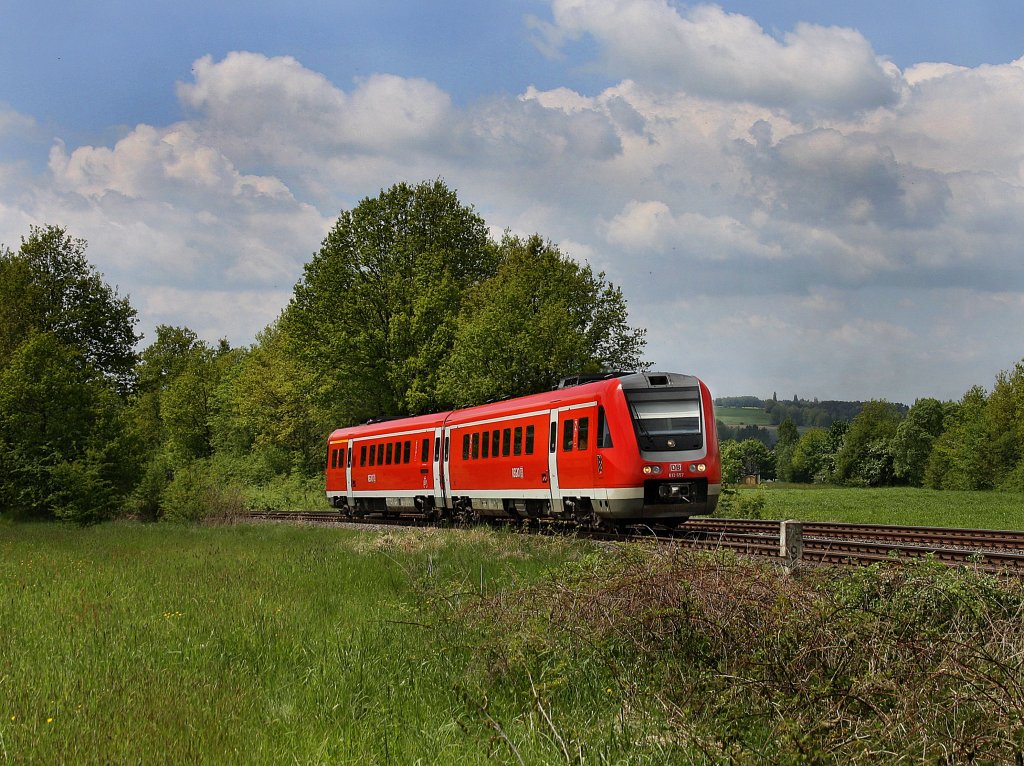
pixel 622 449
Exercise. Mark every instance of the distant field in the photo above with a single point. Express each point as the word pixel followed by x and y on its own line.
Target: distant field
pixel 891 505
pixel 742 416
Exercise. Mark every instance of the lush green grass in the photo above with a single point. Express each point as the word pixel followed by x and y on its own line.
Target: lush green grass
pixel 128 643
pixel 266 644
pixel 888 505
pixel 742 416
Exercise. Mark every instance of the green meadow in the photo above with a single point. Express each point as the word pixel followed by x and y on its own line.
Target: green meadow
pixel 270 644
pixel 911 506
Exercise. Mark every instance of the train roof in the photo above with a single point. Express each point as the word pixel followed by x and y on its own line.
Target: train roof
pixel 576 389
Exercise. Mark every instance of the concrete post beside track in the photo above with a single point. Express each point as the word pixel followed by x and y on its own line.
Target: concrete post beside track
pixel 791 544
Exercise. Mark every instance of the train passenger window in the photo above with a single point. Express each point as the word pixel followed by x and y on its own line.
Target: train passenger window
pixel 348 459
pixel 390 452
pixel 406 449
pixel 496 443
pixel 334 458
pixel 485 445
pixel 567 433
pixel 398 453
pixel 465 446
pixel 380 454
pixel 373 455
pixel 476 445
pixel 437 448
pixel 362 455
pixel 517 448
pixel 506 442
pixel 446 440
pixel 529 440
pixel 554 438
pixel 583 434
pixel 425 450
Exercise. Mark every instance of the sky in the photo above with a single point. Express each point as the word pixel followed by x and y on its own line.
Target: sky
pixel 821 199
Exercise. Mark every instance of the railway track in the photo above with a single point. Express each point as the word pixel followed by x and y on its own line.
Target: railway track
pixel 827 543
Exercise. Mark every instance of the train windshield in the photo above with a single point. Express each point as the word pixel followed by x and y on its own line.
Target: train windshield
pixel 666 420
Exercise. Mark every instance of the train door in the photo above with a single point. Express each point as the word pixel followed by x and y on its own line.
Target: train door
pixel 446 476
pixel 577 451
pixel 439 484
pixel 556 492
pixel 350 498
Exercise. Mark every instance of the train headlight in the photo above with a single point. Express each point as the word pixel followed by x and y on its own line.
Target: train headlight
pixel 698 467
pixel 652 469
pixel 670 443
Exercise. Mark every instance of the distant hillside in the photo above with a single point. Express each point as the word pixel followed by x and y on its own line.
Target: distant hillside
pixel 740 411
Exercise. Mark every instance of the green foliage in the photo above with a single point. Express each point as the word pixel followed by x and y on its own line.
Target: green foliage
pixel 960 457
pixel 866 455
pixel 199 492
pixel 48 286
pixel 748 665
pixel 813 457
pixel 542 316
pixel 268 408
pixel 914 438
pixel 373 317
pixel 62 444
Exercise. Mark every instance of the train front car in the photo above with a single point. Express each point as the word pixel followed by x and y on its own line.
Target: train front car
pixel 671 424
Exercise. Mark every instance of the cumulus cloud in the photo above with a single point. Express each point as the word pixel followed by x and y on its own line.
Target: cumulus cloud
pixel 706 51
pixel 787 208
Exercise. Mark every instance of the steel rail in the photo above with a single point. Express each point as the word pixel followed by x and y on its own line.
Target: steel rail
pixel 838 544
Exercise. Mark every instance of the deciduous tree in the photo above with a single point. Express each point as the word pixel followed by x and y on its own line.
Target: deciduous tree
pixel 541 317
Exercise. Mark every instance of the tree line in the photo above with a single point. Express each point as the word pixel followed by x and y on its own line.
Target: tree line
pixel 974 443
pixel 409 305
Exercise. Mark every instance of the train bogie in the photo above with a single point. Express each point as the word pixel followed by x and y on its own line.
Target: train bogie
pixel 622 449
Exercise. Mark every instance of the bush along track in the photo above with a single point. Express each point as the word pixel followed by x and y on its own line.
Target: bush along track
pixel 710 658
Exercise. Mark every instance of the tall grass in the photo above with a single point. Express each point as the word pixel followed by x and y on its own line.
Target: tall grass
pixel 266 644
pixel 168 644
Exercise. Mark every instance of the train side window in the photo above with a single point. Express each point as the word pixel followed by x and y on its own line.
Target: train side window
pixel 389 454
pixel 437 448
pixel 425 450
pixel 567 434
pixel 496 443
pixel 583 434
pixel 554 437
pixel 334 458
pixel 476 445
pixel 529 440
pixel 362 456
pixel 465 446
pixel 517 446
pixel 604 436
pixel 506 442
pixel 406 450
pixel 373 455
pixel 380 454
pixel 446 441
pixel 485 445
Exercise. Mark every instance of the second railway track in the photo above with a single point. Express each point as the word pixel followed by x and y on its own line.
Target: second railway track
pixel 828 543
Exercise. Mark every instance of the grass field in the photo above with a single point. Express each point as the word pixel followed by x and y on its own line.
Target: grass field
pixel 742 416
pixel 268 644
pixel 886 505
pixel 128 643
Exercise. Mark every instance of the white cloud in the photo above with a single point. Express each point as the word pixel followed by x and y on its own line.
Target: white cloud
pixel 790 209
pixel 707 51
